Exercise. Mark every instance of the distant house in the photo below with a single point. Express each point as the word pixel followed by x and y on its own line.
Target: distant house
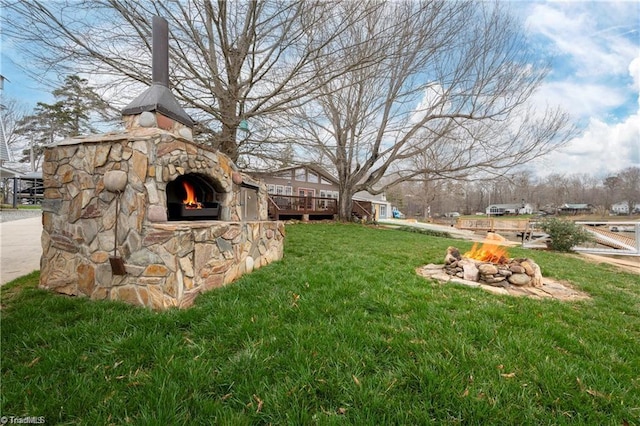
pixel 623 208
pixel 508 209
pixel 575 209
pixel 311 192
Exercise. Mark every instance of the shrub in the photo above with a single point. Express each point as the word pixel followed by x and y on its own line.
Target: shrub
pixel 564 234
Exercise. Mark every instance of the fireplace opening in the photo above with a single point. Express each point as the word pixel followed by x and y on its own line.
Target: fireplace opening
pixel 194 197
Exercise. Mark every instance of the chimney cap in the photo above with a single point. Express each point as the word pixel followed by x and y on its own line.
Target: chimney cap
pixel 158 98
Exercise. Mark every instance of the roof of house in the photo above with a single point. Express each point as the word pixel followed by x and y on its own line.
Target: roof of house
pixel 313 167
pixel 506 206
pixel 575 206
pixel 365 196
pixel 5 154
pixel 6 172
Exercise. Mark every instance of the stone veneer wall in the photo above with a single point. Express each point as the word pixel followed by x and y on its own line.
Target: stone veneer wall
pixel 167 263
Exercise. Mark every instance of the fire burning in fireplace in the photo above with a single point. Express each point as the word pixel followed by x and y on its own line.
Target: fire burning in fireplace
pixel 191 201
pixel 193 197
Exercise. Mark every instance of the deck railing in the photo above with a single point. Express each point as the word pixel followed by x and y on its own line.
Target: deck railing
pixel 620 238
pixel 608 238
pixel 362 209
pixel 298 205
pixel 504 225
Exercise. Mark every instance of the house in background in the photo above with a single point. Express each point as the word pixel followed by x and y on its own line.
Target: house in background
pixel 575 209
pixel 623 208
pixel 309 192
pixel 508 209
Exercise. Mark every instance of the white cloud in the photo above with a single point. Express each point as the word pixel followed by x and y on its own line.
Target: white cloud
pixel 596 77
pixel 580 100
pixel 433 101
pixel 602 149
pixel 634 71
pixel 594 36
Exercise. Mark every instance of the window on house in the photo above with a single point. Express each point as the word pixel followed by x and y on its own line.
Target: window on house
pixel 301 175
pixel 288 190
pixel 279 189
pixel 312 177
pixel 324 181
pixel 284 175
pixel 383 211
pixel 271 188
pixel 323 203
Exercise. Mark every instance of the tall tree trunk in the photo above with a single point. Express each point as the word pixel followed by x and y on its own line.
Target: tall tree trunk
pixel 227 143
pixel 345 202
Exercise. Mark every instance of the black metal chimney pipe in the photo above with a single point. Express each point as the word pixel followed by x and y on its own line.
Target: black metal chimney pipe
pixel 160 51
pixel 158 97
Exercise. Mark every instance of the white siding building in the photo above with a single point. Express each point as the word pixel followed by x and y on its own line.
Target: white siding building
pixel 507 209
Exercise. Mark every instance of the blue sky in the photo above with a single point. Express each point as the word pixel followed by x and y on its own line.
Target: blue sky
pixel 594 48
pixel 20 86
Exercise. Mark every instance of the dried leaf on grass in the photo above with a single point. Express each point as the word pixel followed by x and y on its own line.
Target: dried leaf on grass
pixel 591 391
pixel 259 401
pixel 356 381
pixel 295 297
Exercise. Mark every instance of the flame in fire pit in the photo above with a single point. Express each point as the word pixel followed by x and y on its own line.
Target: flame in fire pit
pixel 191 202
pixel 488 252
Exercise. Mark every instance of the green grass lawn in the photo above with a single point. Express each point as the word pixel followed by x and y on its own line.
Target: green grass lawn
pixel 341 331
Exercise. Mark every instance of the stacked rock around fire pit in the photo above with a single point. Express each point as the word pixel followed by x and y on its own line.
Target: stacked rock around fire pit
pixel 498 272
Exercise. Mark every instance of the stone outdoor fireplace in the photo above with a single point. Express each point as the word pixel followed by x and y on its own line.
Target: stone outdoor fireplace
pixel 147 216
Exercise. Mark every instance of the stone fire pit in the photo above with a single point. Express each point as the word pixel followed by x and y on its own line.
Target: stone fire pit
pixel 499 273
pixel 489 268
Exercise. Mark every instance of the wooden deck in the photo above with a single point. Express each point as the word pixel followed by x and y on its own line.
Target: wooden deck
pixel 296 207
pixel 616 242
pixel 493 225
pixel 613 239
pixel 312 208
pixel 605 242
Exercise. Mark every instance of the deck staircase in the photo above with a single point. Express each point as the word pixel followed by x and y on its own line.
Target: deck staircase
pixel 612 239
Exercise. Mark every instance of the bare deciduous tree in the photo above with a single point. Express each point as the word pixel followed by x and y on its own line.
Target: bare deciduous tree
pixel 231 61
pixel 13 111
pixel 446 98
pixel 630 186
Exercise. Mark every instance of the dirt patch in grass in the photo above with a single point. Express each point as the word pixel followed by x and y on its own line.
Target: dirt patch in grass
pixel 628 264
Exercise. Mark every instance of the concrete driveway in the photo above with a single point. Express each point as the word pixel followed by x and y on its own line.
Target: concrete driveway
pixel 20 248
pixel 454 232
